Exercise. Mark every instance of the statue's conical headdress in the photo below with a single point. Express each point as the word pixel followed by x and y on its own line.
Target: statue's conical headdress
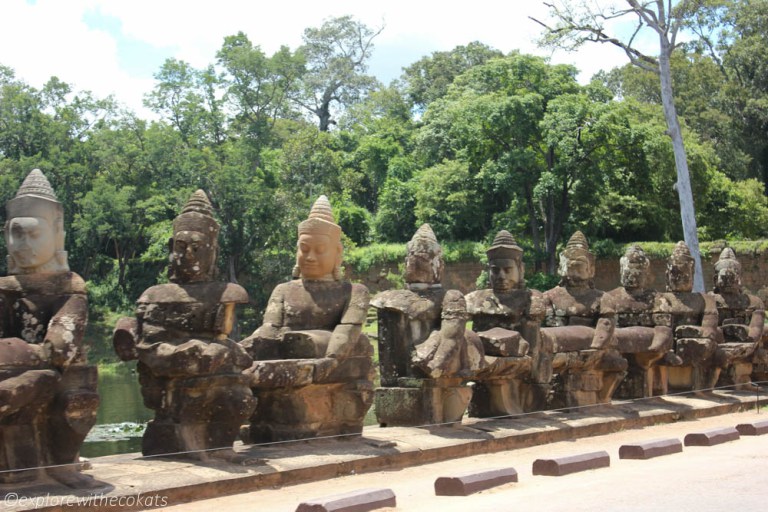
pixel 681 255
pixel 504 247
pixel 321 221
pixel 728 260
pixel 577 241
pixel 197 215
pixel 36 198
pixel 34 195
pixel 36 184
pixel 424 240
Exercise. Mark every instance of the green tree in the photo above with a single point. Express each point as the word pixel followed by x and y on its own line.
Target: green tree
pixel 577 24
pixel 337 57
pixel 428 78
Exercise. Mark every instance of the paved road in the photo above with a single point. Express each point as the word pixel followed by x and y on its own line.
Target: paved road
pixel 731 477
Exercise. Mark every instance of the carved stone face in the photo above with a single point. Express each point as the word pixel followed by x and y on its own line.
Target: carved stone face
pixel 192 256
pixel 680 276
pixel 423 267
pixel 728 280
pixel 31 242
pixel 505 274
pixel 576 266
pixel 633 275
pixel 317 256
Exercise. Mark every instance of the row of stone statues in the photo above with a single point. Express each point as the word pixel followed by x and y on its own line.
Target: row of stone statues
pixel 307 371
pixel 570 346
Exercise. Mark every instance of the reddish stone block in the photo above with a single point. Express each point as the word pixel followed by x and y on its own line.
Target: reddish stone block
pixel 711 437
pixel 355 501
pixel 573 464
pixel 650 449
pixel 756 428
pixel 469 483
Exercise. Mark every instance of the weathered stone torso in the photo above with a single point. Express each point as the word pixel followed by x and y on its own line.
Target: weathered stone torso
pixel 31 301
pixel 572 306
pixel 489 309
pixel 632 309
pixel 172 313
pixel 673 309
pixel 736 308
pixel 306 304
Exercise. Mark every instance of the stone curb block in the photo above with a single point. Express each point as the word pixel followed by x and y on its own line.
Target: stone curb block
pixel 469 483
pixel 650 449
pixel 355 501
pixel 711 437
pixel 757 428
pixel 573 464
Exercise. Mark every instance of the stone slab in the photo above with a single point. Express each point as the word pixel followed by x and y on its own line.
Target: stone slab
pixel 573 464
pixel 174 482
pixel 470 483
pixel 711 437
pixel 756 428
pixel 355 501
pixel 650 449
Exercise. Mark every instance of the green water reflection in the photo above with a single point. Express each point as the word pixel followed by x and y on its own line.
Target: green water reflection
pixel 121 413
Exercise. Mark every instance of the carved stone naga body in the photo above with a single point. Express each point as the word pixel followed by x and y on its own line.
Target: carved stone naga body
pixel 48 397
pixel 312 373
pixel 189 369
pixel 508 317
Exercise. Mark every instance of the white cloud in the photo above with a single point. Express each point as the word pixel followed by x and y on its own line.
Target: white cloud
pixel 49 37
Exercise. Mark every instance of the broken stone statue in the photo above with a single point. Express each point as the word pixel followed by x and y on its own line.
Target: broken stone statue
pixel 313 371
pixel 419 384
pixel 48 398
pixel 189 369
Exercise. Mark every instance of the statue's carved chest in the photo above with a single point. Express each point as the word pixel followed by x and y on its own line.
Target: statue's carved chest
pixel 317 305
pixel 194 317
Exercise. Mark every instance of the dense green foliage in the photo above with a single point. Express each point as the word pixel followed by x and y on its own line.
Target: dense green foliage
pixel 470 140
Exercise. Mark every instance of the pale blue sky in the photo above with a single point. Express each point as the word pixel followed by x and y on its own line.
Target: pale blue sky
pixel 115 46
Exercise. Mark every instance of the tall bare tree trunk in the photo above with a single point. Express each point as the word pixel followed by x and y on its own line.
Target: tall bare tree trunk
pixel 687 211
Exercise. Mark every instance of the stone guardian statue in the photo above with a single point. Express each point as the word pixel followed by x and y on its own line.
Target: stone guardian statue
pixel 508 317
pixel 580 326
pixel 189 369
pixel 312 373
pixel 48 398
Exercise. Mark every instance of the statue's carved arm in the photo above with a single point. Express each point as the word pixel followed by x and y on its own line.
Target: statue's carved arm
pixel 64 335
pixel 346 334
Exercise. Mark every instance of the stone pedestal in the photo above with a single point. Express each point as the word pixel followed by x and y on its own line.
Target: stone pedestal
pixel 587 377
pixel 200 413
pixel 697 371
pixel 422 402
pixel 304 398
